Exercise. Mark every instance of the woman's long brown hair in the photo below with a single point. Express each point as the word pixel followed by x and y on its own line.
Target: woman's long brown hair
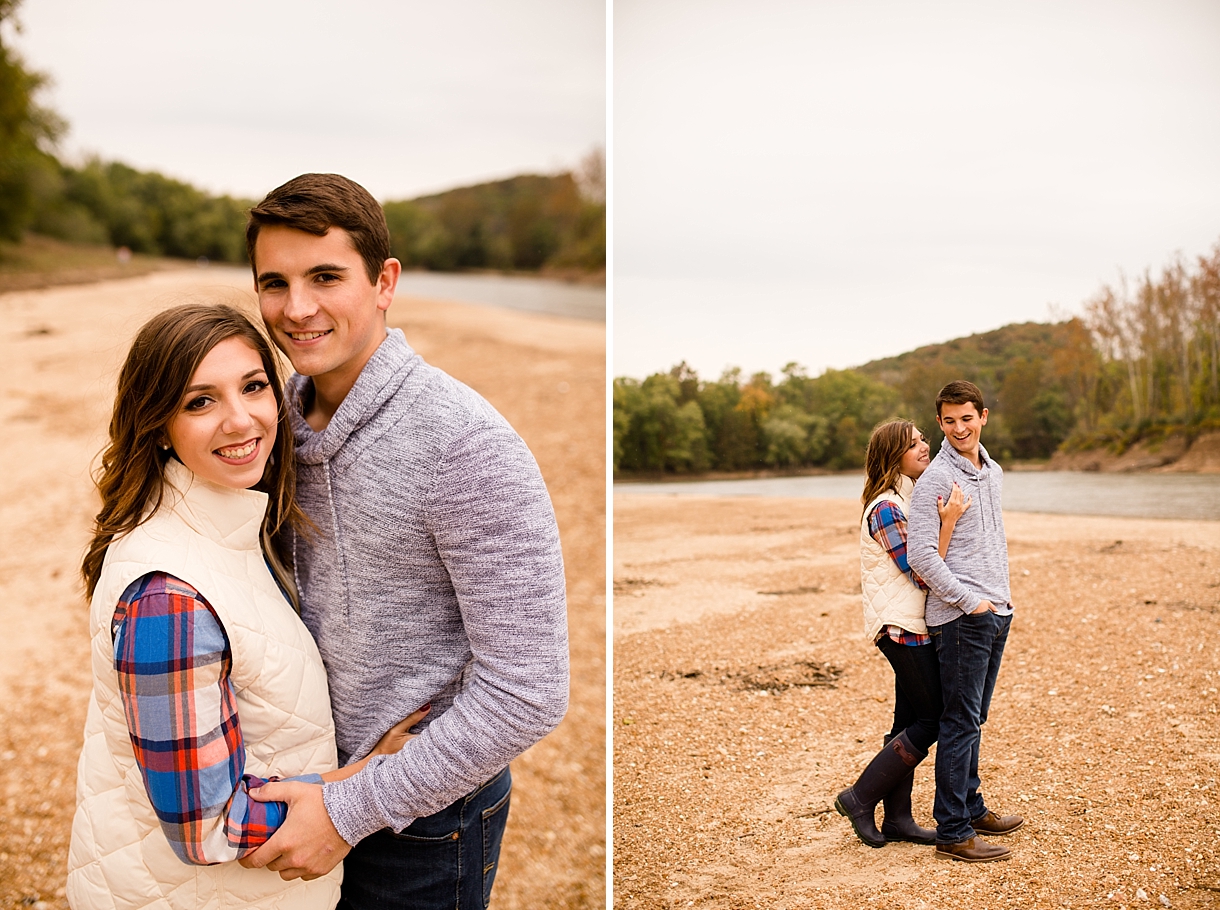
pixel 883 459
pixel 159 366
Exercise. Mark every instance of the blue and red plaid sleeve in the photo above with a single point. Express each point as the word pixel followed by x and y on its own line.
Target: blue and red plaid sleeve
pixel 173 660
pixel 888 526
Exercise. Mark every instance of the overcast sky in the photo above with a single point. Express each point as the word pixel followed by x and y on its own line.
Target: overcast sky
pixel 833 182
pixel 403 96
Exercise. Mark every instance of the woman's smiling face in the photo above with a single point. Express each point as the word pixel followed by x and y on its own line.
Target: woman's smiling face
pixel 915 459
pixel 225 424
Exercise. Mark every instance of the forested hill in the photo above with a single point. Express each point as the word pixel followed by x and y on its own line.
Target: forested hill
pixel 1029 374
pixel 1141 363
pixel 987 352
pixel 527 222
pixel 676 421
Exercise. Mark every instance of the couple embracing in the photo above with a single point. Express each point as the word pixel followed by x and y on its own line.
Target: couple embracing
pixel 324 616
pixel 934 575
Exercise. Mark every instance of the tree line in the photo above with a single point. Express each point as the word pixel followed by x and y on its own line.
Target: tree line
pixel 1141 362
pixel 1158 345
pixel 531 222
pixel 526 223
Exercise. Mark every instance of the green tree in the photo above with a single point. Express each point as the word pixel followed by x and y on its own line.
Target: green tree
pixel 794 437
pixel 626 393
pixel 654 430
pixel 147 212
pixel 733 435
pixel 28 132
pixel 851 404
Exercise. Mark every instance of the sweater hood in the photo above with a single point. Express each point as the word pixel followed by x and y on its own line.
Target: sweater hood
pixel 959 460
pixel 382 376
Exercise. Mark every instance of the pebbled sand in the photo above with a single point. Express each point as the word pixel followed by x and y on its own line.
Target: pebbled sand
pixel 59 355
pixel 745 698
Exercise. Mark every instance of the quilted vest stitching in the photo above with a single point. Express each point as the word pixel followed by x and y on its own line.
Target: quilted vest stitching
pixel 119 857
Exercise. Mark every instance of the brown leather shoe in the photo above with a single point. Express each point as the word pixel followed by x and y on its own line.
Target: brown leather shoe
pixel 997 824
pixel 975 850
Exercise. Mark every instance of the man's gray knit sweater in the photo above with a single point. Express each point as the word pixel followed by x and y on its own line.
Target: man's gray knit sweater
pixel 435 575
pixel 976 566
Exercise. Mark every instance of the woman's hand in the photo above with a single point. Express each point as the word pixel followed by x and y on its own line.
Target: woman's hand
pixel 957 505
pixel 396 737
pixel 950 512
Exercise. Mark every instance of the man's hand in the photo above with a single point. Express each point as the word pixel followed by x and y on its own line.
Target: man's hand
pixel 307 845
pixel 983 607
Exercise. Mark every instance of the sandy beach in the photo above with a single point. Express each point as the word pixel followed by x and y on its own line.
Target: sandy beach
pixel 745 698
pixel 60 355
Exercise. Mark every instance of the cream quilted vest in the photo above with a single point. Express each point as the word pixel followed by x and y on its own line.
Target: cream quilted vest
pixel 890 599
pixel 208 536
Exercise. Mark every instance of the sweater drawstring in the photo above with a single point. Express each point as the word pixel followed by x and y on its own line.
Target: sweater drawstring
pixel 334 521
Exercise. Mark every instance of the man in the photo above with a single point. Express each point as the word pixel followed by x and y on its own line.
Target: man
pixel 968 612
pixel 434 573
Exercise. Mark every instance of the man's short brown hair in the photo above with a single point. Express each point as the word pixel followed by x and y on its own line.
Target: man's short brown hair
pixel 960 392
pixel 315 203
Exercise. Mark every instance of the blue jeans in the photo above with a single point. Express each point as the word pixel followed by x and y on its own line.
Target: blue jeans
pixel 917 700
pixel 969 650
pixel 445 861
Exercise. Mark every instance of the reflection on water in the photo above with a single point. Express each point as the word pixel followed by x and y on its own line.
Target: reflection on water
pixel 516 292
pixel 1195 496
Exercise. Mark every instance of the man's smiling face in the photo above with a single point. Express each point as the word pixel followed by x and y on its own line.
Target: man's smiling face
pixel 962 425
pixel 318 303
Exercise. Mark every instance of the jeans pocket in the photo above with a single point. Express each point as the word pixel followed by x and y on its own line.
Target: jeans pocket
pixel 493 818
pixel 451 838
pixel 420 866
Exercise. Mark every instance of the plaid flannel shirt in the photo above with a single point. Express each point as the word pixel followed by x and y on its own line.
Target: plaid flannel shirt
pixel 173 660
pixel 888 526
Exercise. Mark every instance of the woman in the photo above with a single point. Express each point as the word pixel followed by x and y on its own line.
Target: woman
pixel 893 618
pixel 206 682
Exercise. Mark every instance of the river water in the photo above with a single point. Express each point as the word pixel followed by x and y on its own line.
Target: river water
pixel 515 292
pixel 1195 496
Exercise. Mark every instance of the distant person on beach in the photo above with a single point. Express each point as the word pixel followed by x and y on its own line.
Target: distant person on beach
pixel 968 612
pixel 205 680
pixel 897 455
pixel 435 572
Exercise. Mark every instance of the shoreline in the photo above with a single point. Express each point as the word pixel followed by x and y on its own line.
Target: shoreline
pixel 1080 463
pixel 40 263
pixel 1160 495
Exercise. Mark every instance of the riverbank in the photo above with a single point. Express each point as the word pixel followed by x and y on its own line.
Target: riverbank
pixel 1172 455
pixel 756 474
pixel 43 262
pixel 60 354
pixel 743 683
